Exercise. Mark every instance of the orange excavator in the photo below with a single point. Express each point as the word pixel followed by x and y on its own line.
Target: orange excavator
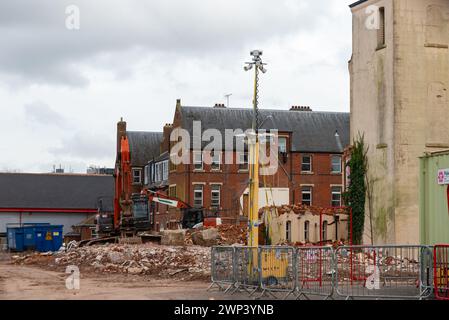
pixel 122 196
pixel 132 211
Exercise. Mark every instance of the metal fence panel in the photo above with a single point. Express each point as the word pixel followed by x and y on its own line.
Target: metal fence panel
pixel 277 269
pixel 380 272
pixel 441 272
pixel 246 264
pixel 315 271
pixel 222 267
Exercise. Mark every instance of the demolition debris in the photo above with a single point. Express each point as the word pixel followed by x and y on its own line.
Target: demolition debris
pixel 190 263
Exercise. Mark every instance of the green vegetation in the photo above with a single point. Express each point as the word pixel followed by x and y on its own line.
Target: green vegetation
pixel 356 194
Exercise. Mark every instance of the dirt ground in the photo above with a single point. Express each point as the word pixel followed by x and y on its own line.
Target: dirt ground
pixel 31 283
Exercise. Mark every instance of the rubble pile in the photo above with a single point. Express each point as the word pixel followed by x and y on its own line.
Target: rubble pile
pixel 162 261
pixel 227 235
pixel 232 234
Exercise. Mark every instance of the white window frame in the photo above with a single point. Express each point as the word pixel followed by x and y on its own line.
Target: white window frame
pixel 307 190
pixel 196 161
pixel 332 163
pixel 134 170
pixel 146 175
pixel 157 172
pixel 335 193
pixel 195 199
pixel 242 162
pixel 165 170
pixel 215 154
pixel 310 163
pixel 282 147
pixel 212 191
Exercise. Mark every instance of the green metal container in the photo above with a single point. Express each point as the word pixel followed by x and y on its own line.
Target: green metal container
pixel 433 198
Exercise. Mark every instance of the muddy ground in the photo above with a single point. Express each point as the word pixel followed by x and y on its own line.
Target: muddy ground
pixel 36 282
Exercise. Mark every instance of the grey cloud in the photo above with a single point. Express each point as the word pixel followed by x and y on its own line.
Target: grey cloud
pixel 36 46
pixel 39 113
pixel 82 145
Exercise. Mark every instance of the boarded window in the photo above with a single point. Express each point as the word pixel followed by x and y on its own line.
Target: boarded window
pixel 288 231
pixel 307 231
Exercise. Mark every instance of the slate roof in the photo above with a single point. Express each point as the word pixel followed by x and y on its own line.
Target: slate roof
pixel 56 191
pixel 144 146
pixel 311 131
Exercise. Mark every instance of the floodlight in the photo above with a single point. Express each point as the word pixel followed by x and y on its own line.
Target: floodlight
pixel 248 67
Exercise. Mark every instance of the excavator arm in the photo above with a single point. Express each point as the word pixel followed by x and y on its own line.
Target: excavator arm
pixel 122 198
pixel 163 199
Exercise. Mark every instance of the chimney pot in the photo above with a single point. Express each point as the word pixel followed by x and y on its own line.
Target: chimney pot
pixel 300 108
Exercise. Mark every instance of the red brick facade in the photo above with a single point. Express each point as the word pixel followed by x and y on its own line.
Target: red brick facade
pixel 232 181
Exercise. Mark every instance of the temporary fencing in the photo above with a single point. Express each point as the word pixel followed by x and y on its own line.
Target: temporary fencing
pixel 246 264
pixel 315 272
pixel 222 268
pixel 388 272
pixel 370 272
pixel 277 270
pixel 441 271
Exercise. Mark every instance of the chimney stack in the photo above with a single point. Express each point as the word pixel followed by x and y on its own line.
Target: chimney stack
pixel 165 144
pixel 300 108
pixel 219 105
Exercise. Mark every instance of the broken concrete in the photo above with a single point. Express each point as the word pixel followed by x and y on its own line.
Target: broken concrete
pixel 173 237
pixel 206 237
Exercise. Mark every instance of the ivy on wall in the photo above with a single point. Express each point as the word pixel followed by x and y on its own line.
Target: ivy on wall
pixel 356 193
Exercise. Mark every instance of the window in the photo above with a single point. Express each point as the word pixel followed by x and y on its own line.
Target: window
pixel 306 196
pixel 158 172
pixel 165 170
pixel 288 231
pixel 216 160
pixel 324 231
pixel 147 175
pixel 243 161
pixel 381 31
pixel 306 163
pixel 198 160
pixel 336 196
pixel 198 196
pixel 172 192
pixel 137 176
pixel 306 231
pixel 336 164
pixel 282 144
pixel 173 166
pixel 215 196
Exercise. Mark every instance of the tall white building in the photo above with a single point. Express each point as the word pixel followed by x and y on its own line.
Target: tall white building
pixel 399 101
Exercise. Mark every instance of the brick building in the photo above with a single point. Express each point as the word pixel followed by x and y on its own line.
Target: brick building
pixel 310 166
pixel 144 146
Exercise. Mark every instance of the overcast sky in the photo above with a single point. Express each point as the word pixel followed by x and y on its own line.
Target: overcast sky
pixel 62 91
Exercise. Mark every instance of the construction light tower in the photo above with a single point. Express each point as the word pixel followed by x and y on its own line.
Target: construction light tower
pixel 253 142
